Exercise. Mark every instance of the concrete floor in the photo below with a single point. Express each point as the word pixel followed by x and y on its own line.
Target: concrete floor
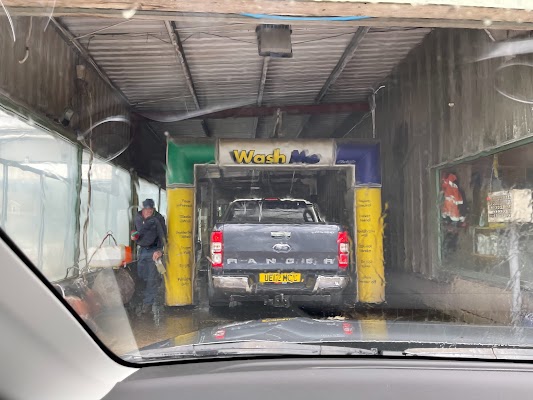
pixel 124 332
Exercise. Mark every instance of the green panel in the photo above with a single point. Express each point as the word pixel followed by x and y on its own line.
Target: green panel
pixel 181 158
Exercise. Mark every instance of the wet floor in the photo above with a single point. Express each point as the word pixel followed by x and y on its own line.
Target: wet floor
pixel 170 322
pixel 124 332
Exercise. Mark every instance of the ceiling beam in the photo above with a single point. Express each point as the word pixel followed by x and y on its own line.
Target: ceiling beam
pixel 208 17
pixel 265 111
pixel 347 55
pixel 180 53
pixel 71 40
pixel 455 9
pixel 349 52
pixel 261 91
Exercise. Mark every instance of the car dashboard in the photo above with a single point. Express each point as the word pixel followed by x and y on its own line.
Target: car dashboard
pixel 326 378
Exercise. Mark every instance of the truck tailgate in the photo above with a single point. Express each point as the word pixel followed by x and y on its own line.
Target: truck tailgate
pixel 277 247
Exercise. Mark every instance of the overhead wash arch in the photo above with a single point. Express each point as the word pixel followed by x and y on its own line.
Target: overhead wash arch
pixel 182 156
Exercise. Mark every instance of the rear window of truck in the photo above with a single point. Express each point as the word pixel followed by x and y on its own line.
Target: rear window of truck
pixel 271 212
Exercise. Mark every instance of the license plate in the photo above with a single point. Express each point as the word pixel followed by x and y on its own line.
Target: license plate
pixel 280 277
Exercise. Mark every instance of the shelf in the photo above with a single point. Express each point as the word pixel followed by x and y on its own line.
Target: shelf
pixel 491 228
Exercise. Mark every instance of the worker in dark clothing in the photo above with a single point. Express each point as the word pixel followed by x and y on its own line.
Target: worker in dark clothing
pixel 150 235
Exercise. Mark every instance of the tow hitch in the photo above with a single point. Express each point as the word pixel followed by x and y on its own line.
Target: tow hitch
pixel 279 301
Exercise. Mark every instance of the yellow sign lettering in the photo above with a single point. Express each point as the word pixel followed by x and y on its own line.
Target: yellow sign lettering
pixel 243 157
pixel 259 159
pixel 250 157
pixel 276 157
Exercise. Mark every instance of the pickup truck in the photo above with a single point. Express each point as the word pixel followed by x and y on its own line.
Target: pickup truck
pixel 277 251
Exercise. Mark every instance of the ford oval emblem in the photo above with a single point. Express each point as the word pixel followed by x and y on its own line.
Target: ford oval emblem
pixel 281 248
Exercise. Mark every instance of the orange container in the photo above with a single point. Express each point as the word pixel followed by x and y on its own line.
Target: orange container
pixel 127 255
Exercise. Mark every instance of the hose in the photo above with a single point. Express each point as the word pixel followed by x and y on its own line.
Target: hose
pixel 510 96
pixel 291 18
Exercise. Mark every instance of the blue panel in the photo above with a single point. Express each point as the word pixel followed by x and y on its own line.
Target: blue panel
pixel 366 158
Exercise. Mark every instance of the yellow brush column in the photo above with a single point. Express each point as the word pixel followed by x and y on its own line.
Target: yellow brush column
pixel 369 224
pixel 178 279
pixel 182 156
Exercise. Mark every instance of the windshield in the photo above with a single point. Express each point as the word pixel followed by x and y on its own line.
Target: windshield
pixel 164 169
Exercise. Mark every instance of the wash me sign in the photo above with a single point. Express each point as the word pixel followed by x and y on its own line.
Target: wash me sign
pixel 275 152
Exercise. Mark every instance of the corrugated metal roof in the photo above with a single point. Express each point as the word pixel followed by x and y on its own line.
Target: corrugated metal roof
pixel 140 60
pixel 138 57
pixel 379 52
pixel 223 60
pixel 316 51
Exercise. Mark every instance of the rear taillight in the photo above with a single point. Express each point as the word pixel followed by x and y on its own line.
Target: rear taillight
pixel 347 328
pixel 343 244
pixel 217 249
pixel 220 334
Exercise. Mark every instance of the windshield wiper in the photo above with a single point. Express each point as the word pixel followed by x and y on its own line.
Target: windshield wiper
pixel 245 348
pixel 488 353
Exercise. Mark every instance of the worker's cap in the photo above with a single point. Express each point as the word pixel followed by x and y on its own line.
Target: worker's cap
pixel 148 203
